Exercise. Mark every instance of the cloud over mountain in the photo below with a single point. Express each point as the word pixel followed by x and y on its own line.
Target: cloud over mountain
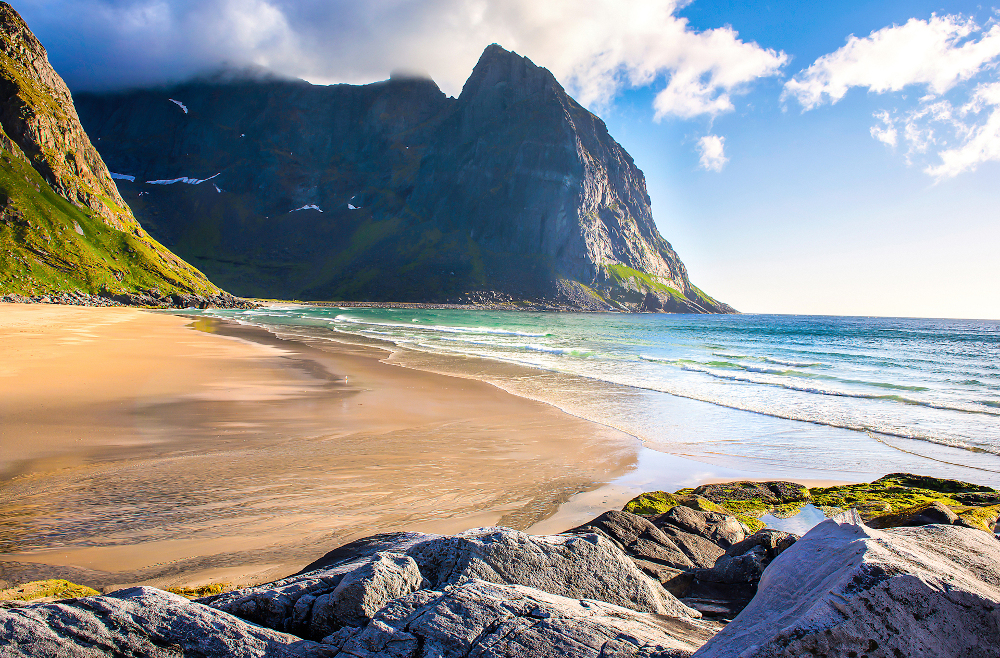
pixel 596 48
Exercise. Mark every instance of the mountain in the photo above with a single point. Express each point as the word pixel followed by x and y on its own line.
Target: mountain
pixel 63 224
pixel 393 191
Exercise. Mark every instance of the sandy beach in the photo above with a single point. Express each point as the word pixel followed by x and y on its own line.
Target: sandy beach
pixel 148 447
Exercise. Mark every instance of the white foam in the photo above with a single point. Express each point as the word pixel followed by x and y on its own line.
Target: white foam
pixel 122 176
pixel 311 206
pixel 179 104
pixel 351 207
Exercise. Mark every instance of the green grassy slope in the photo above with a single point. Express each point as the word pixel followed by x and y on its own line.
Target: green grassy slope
pixel 49 245
pixel 63 224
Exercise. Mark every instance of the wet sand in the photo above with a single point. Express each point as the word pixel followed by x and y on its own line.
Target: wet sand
pixel 135 448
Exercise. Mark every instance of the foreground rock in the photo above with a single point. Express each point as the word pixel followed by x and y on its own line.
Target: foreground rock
pixel 141 622
pixel 477 618
pixel 354 583
pixel 848 590
pixel 707 558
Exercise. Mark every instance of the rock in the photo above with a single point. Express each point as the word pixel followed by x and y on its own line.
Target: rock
pixel 675 581
pixel 773 493
pixel 577 566
pixel 478 618
pixel 354 580
pixel 720 529
pixel 665 553
pixel 916 516
pixel 702 552
pixel 362 592
pixel 773 541
pixel 310 605
pixel 658 502
pixel 848 590
pixel 140 622
pixel 638 537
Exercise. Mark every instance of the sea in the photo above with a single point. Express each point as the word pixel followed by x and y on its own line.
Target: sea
pixel 816 397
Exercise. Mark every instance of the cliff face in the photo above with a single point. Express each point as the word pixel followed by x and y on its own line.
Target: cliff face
pixel 393 191
pixel 63 223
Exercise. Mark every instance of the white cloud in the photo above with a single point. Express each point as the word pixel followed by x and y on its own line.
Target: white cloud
pixel 713 155
pixel 980 142
pixel 960 138
pixel 937 53
pixel 885 133
pixel 595 47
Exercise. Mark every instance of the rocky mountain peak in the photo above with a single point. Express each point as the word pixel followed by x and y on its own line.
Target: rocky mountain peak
pixel 393 191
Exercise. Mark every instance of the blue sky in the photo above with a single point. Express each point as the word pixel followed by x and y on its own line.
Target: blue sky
pixel 793 171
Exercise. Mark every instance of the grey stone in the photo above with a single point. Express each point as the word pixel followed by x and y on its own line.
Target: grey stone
pixel 718 528
pixel 577 566
pixel 347 591
pixel 702 552
pixel 665 553
pixel 846 589
pixel 140 622
pixel 478 618
pixel 361 593
pixel 623 527
pixel 772 541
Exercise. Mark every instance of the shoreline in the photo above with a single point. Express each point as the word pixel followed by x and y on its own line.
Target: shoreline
pixel 287 384
pixel 202 471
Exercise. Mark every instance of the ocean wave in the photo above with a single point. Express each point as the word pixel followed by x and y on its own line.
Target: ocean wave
pixel 846 394
pixel 767 359
pixel 440 328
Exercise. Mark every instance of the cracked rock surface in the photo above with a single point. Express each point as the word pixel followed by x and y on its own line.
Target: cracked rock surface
pixel 845 589
pixel 478 618
pixel 141 622
pixel 346 590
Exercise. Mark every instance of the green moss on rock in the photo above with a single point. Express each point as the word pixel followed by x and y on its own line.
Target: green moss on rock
pixel 47 589
pixel 201 590
pixel 896 494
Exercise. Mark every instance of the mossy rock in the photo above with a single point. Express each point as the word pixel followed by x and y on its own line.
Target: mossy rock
pixel 899 491
pixel 658 502
pixel 893 494
pixel 983 518
pixel 47 589
pixel 200 591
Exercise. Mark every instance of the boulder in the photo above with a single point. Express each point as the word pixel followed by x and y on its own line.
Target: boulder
pixel 845 589
pixel 638 537
pixel 360 594
pixel 358 579
pixel 140 622
pixel 772 493
pixel 478 618
pixel 702 552
pixel 578 566
pixel 772 541
pixel 918 515
pixel 718 528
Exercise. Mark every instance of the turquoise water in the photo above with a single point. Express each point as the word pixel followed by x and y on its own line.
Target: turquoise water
pixel 838 394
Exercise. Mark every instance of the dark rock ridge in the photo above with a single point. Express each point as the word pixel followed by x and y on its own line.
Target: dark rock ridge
pixel 394 191
pixel 63 224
